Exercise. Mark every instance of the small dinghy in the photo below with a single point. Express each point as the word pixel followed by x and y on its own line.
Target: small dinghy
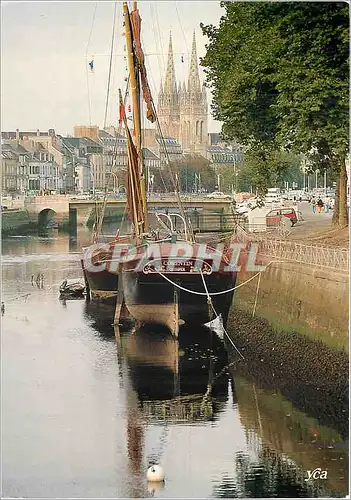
pixel 71 288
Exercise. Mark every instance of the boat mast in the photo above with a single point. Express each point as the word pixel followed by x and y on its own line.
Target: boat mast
pixel 135 94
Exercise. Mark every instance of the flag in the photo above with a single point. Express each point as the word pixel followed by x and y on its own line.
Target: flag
pixel 91 64
pixel 122 112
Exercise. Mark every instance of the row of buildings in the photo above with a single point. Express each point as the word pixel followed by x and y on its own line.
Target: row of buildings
pixel 93 159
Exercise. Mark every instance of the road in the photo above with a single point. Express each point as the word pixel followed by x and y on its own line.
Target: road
pixel 312 223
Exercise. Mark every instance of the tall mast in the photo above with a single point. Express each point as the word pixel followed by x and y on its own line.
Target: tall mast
pixel 135 94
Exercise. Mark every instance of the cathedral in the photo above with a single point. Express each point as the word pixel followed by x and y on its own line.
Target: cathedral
pixel 182 108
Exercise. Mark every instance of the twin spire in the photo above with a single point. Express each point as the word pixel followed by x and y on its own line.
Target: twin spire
pixel 170 79
pixel 170 85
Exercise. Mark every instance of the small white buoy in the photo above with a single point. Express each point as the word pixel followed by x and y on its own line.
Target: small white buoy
pixel 155 473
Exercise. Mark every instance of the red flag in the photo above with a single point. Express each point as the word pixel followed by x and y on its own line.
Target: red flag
pixel 122 112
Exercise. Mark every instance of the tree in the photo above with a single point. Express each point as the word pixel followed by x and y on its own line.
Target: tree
pixel 261 171
pixel 193 173
pixel 279 74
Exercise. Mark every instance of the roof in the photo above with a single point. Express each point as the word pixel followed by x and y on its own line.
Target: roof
pixel 149 155
pixel 219 149
pixel 71 141
pixel 91 142
pixel 8 155
pixel 16 148
pixel 13 135
pixel 103 133
pixel 76 142
pixel 167 140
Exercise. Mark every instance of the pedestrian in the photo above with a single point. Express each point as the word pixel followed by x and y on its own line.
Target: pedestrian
pixel 326 205
pixel 320 205
pixel 313 203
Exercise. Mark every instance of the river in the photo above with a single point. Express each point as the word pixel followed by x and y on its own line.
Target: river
pixel 84 415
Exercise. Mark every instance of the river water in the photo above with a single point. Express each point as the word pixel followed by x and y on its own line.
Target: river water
pixel 84 414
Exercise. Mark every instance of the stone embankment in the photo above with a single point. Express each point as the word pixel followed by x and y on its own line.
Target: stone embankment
pixel 17 222
pixel 304 288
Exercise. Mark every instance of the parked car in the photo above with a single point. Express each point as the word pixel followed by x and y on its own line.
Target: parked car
pixel 275 216
pixel 219 194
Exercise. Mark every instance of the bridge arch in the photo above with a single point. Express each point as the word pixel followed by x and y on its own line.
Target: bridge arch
pixel 45 216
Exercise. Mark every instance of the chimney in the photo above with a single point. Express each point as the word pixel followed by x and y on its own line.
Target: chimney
pixel 17 134
pixel 38 132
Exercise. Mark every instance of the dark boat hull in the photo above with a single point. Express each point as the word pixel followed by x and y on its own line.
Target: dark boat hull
pixel 102 285
pixel 150 298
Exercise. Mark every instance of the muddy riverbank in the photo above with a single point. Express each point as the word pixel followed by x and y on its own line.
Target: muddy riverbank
pixel 309 373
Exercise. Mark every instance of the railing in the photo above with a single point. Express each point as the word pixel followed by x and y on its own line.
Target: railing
pixel 270 245
pixel 206 222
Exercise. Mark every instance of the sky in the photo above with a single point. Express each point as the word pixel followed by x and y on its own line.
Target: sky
pixel 46 47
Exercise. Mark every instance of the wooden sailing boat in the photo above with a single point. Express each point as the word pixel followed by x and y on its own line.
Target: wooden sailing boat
pixel 170 289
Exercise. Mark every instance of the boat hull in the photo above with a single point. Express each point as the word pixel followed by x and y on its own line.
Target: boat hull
pixel 101 271
pixel 102 285
pixel 152 298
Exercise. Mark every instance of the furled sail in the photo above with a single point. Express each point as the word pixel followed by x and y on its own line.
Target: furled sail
pixel 134 195
pixel 136 27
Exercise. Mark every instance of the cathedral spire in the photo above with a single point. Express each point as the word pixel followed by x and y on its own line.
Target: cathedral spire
pixel 193 79
pixel 170 85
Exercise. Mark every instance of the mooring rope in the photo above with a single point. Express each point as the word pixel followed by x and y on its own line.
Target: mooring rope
pixel 221 292
pixel 209 300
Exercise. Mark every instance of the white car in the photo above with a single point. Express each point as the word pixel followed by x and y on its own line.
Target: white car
pixel 219 194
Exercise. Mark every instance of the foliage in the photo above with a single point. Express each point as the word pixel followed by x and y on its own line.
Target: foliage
pixel 264 169
pixel 279 76
pixel 192 174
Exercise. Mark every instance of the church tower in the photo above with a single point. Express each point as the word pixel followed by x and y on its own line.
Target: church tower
pixel 193 110
pixel 168 99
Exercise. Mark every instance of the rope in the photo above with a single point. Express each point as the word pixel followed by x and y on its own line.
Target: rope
pixel 110 66
pixel 86 67
pixel 223 291
pixel 155 456
pixel 209 301
pixel 204 293
pixel 258 286
pixel 181 27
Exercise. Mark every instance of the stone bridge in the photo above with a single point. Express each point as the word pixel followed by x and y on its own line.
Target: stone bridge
pixel 85 208
pixel 43 208
pixel 61 207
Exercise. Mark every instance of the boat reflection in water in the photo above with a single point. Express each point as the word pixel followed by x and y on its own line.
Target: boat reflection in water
pixel 166 382
pixel 170 375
